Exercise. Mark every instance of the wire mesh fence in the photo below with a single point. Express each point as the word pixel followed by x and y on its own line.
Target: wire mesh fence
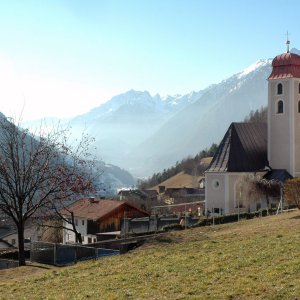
pixel 61 255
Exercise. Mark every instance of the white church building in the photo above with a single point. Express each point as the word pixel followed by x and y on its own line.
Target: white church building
pixel 260 150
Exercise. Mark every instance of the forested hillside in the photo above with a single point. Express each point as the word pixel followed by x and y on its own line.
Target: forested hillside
pixel 259 115
pixel 191 165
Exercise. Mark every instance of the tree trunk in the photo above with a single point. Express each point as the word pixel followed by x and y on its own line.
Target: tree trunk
pixel 21 244
pixel 78 237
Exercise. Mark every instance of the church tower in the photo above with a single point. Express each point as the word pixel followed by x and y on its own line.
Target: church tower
pixel 284 113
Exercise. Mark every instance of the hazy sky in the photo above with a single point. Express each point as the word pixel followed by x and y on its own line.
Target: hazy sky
pixel 62 58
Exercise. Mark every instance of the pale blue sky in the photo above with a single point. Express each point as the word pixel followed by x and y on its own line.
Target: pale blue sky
pixel 62 58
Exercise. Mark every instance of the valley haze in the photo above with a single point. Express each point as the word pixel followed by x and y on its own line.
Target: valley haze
pixel 145 134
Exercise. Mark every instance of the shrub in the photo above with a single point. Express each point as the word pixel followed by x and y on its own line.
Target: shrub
pixel 173 227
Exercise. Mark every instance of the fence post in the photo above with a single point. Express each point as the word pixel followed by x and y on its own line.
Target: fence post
pixel 31 248
pixel 96 253
pixel 75 256
pixel 185 225
pixel 54 254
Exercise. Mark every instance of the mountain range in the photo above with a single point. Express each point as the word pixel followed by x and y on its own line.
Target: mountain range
pixel 145 134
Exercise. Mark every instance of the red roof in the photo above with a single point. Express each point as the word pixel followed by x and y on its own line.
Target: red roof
pixel 285 65
pixel 95 209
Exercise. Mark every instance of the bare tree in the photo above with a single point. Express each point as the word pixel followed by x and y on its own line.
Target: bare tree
pixel 292 191
pixel 39 172
pixel 246 191
pixel 251 188
pixel 61 216
pixel 51 231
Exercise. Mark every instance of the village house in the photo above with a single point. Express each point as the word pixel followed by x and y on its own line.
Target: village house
pixel 253 150
pixel 9 236
pixel 95 216
pixel 182 195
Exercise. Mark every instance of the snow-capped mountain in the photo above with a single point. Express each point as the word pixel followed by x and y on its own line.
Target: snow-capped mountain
pixel 127 120
pixel 145 134
pixel 203 122
pixel 138 102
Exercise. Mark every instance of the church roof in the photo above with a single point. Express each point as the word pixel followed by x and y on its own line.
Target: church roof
pixel 285 65
pixel 243 149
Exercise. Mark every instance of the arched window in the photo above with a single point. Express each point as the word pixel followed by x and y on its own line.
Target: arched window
pixel 299 106
pixel 279 89
pixel 280 107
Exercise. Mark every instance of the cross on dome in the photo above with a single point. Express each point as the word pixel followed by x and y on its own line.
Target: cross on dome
pixel 287 42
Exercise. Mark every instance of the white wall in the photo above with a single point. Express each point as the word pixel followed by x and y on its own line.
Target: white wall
pixel 280 129
pixel 215 191
pixel 227 195
pixel 69 235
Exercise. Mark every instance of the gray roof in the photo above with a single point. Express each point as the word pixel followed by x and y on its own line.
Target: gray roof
pixel 243 149
pixel 6 230
pixel 278 175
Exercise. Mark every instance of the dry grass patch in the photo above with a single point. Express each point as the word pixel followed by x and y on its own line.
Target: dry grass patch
pixel 255 259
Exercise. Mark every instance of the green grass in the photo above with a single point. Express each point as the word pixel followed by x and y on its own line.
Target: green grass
pixel 254 259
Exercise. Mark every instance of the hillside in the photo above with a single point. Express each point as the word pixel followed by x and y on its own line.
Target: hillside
pixel 126 120
pixel 186 173
pixel 145 134
pixel 109 177
pixel 202 122
pixel 180 180
pixel 254 259
pixel 190 169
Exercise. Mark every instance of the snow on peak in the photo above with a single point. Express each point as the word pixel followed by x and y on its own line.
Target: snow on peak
pixel 253 67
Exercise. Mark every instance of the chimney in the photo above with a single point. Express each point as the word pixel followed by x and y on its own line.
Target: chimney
pixel 92 200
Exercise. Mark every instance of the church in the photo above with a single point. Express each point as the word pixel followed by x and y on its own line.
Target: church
pixel 259 150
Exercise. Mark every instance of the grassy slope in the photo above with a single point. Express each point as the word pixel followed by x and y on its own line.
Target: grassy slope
pixel 255 259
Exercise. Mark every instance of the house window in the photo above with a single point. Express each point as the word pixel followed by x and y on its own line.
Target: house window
pixel 216 210
pixel 89 240
pixel 258 206
pixel 279 89
pixel 280 107
pixel 82 237
pixel 13 241
pixel 82 222
pixel 299 88
pixel 299 106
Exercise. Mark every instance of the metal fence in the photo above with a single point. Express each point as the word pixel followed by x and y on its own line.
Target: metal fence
pixel 154 224
pixel 61 255
pixel 6 264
